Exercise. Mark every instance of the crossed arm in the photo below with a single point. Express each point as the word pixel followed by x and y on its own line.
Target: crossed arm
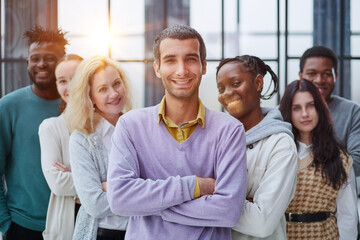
pixel 172 198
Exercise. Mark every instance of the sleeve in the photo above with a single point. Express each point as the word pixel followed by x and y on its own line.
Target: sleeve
pixel 86 177
pixel 5 149
pixel 223 208
pixel 60 183
pixel 353 140
pixel 276 189
pixel 128 193
pixel 346 209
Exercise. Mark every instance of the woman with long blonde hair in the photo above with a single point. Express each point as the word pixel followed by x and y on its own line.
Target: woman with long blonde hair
pixel 99 96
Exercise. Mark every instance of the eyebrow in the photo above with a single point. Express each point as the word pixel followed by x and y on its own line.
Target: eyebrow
pixel 305 103
pixel 187 55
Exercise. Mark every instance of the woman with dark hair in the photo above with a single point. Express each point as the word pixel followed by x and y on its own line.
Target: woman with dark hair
pixel 55 161
pixel 271 151
pixel 325 203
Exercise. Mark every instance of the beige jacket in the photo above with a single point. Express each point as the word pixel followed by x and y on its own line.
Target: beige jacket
pixel 54 143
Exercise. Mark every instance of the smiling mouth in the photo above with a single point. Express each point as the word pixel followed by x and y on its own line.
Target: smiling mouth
pixel 233 105
pixel 42 73
pixel 115 102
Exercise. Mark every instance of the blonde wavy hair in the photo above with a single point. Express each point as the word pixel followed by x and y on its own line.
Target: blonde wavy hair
pixel 80 113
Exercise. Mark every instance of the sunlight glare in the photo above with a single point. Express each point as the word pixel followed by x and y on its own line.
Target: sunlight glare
pixel 101 38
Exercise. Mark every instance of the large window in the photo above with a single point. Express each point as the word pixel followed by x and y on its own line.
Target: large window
pixel 278 32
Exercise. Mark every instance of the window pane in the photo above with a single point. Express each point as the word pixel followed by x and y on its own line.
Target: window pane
pixel 208 88
pixel 355 83
pixel 355 16
pixel 128 47
pixel 355 46
pixel 127 29
pixel 260 46
pixel 136 73
pixel 205 17
pixel 91 28
pixel 298 44
pixel 258 15
pixel 300 16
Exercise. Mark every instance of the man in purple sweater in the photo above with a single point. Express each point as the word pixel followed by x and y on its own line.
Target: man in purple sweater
pixel 165 159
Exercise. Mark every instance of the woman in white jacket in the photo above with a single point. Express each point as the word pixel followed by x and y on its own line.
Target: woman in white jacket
pixel 271 152
pixel 54 142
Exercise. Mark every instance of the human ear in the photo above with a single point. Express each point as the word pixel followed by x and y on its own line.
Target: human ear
pixel 204 68
pixel 157 69
pixel 259 82
pixel 300 75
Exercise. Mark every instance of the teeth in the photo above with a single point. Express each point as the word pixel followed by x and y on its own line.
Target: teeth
pixel 181 82
pixel 234 105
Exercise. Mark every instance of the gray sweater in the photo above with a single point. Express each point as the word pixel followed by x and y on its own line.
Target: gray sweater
pixel 346 117
pixel 89 163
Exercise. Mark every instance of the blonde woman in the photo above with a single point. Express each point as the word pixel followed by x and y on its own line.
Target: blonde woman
pixel 99 96
pixel 54 143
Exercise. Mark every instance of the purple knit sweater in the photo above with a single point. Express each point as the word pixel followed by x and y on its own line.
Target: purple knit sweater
pixel 151 177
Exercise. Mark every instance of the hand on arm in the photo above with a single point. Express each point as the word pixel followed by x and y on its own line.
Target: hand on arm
pixel 103 186
pixel 125 182
pixel 223 208
pixel 207 186
pixel 86 177
pixel 275 189
pixel 57 174
pixel 61 167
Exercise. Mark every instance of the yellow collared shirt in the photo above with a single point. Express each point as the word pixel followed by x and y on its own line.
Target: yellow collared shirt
pixel 183 132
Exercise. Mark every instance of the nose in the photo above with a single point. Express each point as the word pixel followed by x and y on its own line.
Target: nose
pixel 41 63
pixel 181 69
pixel 227 93
pixel 304 112
pixel 113 93
pixel 319 79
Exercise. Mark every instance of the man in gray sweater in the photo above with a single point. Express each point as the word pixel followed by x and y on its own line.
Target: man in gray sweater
pixel 319 65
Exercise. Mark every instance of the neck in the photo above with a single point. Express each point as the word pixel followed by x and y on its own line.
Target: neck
pixel 252 119
pixel 111 118
pixel 306 138
pixel 48 94
pixel 328 100
pixel 181 110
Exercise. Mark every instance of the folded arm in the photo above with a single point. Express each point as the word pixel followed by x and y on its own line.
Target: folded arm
pixel 276 189
pixel 86 177
pixel 130 195
pixel 223 208
pixel 60 182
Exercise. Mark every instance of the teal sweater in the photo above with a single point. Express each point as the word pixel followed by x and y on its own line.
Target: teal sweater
pixel 27 196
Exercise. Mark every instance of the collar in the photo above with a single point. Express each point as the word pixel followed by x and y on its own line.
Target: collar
pixel 303 149
pixel 200 118
pixel 104 127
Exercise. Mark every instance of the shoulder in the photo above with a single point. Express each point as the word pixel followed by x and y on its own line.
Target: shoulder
pixel 79 138
pixel 53 122
pixel 220 119
pixel 278 141
pixel 14 97
pixel 139 116
pixel 340 102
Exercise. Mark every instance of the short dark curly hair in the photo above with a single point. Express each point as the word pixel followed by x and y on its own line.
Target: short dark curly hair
pixel 39 34
pixel 319 51
pixel 181 32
